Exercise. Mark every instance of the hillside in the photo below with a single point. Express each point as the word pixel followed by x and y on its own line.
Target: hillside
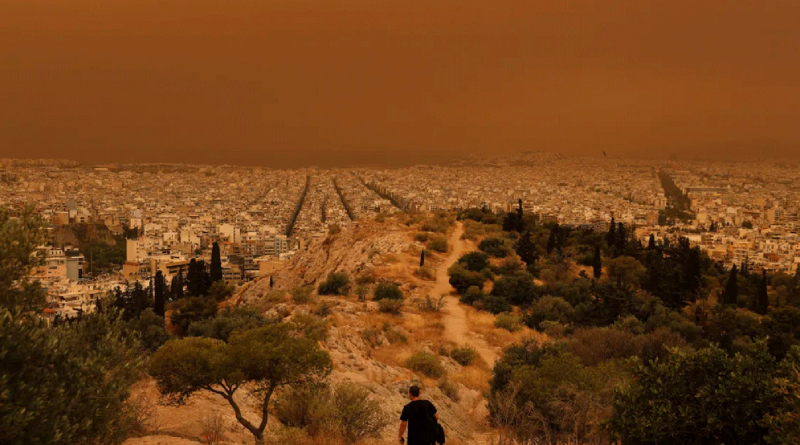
pixel 368 347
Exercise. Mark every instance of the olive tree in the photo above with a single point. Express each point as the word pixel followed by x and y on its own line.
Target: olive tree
pixel 262 359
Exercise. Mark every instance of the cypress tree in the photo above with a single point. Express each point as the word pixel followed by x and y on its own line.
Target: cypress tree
pixel 746 267
pixel 160 291
pixel 762 305
pixel 216 263
pixel 422 258
pixel 177 286
pixel 526 248
pixel 271 282
pixel 732 288
pixel 622 238
pixel 693 275
pixel 611 236
pixel 519 213
pixel 597 262
pixel 652 244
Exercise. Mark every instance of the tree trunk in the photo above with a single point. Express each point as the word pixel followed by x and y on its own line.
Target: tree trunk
pixel 260 439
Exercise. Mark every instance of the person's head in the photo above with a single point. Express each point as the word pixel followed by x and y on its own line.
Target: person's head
pixel 413 392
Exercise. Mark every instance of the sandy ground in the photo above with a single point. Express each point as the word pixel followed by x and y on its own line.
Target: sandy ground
pixel 455 318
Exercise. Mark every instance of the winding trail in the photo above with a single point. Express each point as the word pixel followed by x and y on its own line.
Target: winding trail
pixel 455 324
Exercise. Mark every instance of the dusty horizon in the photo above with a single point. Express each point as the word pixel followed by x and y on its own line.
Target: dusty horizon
pixel 339 83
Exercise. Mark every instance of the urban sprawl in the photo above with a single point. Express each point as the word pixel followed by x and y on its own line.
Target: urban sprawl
pixel 158 217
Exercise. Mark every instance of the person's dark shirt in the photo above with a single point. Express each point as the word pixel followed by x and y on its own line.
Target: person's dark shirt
pixel 419 415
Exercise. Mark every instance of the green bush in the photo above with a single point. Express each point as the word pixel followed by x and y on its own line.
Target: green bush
pixel 464 356
pixel 549 308
pixel 475 261
pixel 222 326
pixel 387 291
pixel 496 247
pixel 699 397
pixel 438 243
pixel 191 310
pixel 508 321
pixel 462 279
pixel 421 237
pixel 337 283
pixel 427 364
pixel 388 306
pixel 473 294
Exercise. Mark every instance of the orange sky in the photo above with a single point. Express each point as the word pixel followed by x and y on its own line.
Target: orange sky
pixel 338 82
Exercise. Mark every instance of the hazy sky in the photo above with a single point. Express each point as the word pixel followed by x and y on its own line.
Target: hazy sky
pixel 336 82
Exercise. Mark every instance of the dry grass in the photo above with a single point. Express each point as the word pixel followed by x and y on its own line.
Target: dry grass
pixel 473 377
pixel 483 323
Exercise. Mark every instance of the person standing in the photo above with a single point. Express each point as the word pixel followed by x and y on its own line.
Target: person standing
pixel 420 417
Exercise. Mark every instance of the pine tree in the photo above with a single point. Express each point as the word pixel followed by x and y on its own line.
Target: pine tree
pixel 762 305
pixel 611 236
pixel 216 263
pixel 732 288
pixel 597 263
pixel 422 258
pixel 160 291
pixel 652 244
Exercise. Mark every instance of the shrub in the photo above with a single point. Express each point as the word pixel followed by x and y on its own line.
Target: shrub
pixel 301 295
pixel 517 289
pixel 426 273
pixel 372 336
pixel 395 336
pixel 549 308
pixel 387 291
pixel 462 279
pixel 429 304
pixel 508 321
pixel 313 328
pixel 495 247
pixel 337 283
pixel 450 390
pixel 427 364
pixel 365 278
pixel 356 415
pixel 362 290
pixel 191 310
pixel 496 305
pixel 474 261
pixel 464 356
pixel 473 294
pixel 438 243
pixel 421 237
pixel 222 326
pixel 698 397
pixel 388 306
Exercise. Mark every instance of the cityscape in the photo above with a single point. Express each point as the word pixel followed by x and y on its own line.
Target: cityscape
pixel 261 217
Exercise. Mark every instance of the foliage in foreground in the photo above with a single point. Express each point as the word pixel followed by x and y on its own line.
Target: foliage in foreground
pixel 265 358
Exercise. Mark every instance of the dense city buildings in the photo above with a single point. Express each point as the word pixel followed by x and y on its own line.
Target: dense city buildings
pixel 112 224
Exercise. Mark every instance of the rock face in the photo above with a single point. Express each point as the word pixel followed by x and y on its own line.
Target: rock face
pixel 356 248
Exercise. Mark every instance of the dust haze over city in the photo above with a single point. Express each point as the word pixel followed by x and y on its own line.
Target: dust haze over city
pixel 359 222
pixel 334 83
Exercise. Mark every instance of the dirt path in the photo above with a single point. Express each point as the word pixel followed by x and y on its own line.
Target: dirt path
pixel 455 318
